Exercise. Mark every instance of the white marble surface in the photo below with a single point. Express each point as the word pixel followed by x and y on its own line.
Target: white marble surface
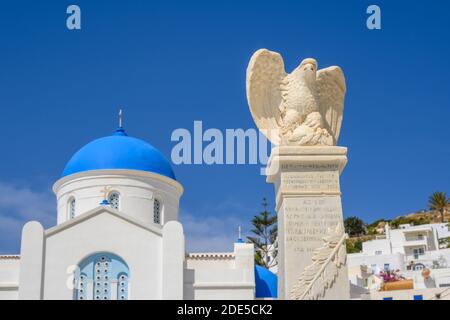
pixel 308 203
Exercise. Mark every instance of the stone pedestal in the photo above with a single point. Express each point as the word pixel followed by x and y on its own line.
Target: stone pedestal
pixel 308 203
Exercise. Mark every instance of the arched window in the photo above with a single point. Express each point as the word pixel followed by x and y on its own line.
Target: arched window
pixel 102 276
pixel 156 211
pixel 113 200
pixel 71 208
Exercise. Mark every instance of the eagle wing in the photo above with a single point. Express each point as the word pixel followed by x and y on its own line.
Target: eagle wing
pixel 265 73
pixel 331 92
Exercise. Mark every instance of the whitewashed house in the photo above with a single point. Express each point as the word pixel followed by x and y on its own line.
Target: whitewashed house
pixel 410 250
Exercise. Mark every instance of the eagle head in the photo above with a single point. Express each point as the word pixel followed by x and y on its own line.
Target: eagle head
pixel 307 70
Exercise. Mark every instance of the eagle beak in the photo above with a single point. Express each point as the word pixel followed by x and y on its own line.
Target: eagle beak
pixel 309 67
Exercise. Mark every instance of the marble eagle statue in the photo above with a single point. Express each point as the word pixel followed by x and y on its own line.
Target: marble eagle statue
pixel 302 108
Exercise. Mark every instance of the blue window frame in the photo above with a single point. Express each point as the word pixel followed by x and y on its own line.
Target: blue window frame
pixel 102 276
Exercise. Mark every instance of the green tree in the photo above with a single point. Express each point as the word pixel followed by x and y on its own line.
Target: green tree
pixel 438 202
pixel 265 235
pixel 353 246
pixel 354 226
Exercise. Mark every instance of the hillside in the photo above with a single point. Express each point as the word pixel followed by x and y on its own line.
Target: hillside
pixel 376 229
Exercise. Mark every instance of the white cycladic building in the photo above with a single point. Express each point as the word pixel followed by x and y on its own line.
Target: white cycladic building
pixel 408 249
pixel 118 237
pixel 402 247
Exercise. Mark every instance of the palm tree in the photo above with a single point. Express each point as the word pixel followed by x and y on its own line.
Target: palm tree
pixel 438 202
pixel 265 231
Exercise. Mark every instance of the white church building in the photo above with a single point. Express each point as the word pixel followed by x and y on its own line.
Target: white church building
pixel 118 236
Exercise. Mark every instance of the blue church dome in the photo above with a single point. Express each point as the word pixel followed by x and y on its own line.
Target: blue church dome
pixel 119 151
pixel 266 283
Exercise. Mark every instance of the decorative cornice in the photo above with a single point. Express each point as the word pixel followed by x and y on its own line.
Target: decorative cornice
pixel 155 228
pixel 113 173
pixel 210 256
pixel 9 285
pixel 10 257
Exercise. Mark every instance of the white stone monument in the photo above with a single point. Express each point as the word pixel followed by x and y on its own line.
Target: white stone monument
pixel 301 113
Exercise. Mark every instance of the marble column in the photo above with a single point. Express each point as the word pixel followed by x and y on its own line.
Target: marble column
pixel 308 204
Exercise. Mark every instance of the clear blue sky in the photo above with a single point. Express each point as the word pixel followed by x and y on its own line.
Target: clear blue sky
pixel 170 63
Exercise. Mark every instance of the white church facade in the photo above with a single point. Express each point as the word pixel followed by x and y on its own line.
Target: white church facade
pixel 118 237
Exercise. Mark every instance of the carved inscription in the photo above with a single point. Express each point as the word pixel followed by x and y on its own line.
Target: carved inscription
pixel 310 177
pixel 308 220
pixel 320 181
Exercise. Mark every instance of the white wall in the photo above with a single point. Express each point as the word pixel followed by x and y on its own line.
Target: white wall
pixel 395 261
pixel 221 276
pixel 442 230
pixel 399 237
pixel 173 261
pixel 381 245
pixel 154 273
pixel 68 244
pixel 31 261
pixel 396 239
pixel 137 190
pixel 9 277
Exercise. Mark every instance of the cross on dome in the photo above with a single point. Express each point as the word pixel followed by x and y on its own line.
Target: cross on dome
pixel 105 191
pixel 120 118
pixel 119 152
pixel 239 240
pixel 120 130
